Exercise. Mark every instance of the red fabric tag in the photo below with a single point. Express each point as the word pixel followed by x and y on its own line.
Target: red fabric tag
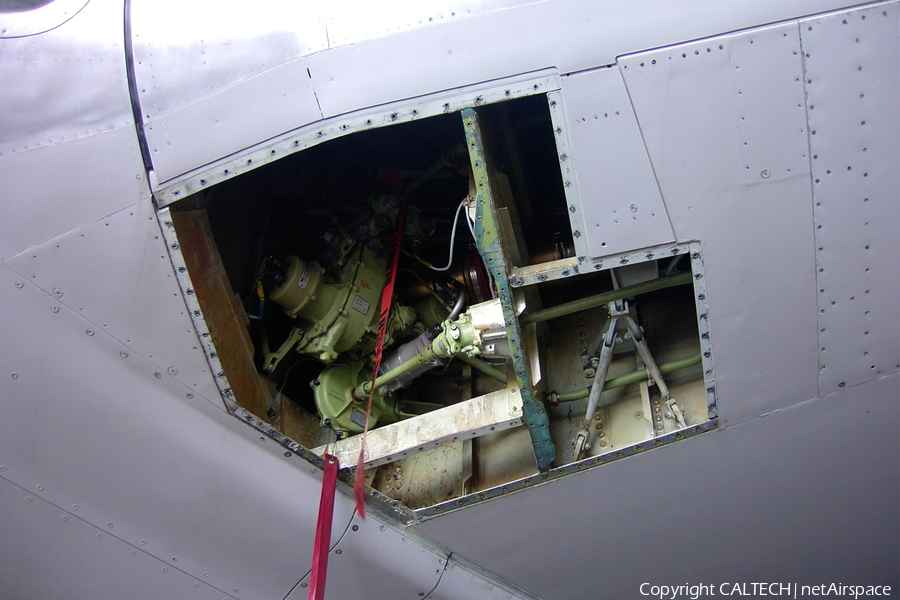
pixel 323 529
pixel 391 179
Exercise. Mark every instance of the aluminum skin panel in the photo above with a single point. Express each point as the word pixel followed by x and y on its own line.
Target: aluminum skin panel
pixel 725 125
pixel 45 191
pixel 238 117
pixel 185 51
pixel 460 579
pixel 376 562
pixel 570 35
pixel 38 20
pixel 852 66
pixel 310 135
pixel 807 494
pixel 352 22
pixel 87 562
pixel 621 207
pixel 116 273
pixel 88 426
pixel 66 84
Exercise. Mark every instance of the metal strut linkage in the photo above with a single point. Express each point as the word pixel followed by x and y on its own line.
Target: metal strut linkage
pixel 605 343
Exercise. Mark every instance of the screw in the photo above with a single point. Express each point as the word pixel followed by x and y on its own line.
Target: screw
pixel 55 309
pixel 172 371
pixel 764 174
pixel 57 293
pixel 123 354
pixel 632 208
pixel 20 285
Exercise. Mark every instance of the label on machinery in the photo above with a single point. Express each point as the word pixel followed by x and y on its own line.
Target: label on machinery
pixel 304 277
pixel 358 417
pixel 361 305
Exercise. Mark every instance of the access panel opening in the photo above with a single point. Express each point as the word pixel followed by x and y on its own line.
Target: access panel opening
pixel 296 254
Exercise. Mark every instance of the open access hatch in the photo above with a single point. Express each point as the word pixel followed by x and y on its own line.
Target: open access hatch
pixel 499 337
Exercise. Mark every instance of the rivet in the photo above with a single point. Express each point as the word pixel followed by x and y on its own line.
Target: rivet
pixel 20 285
pixel 89 331
pixel 57 293
pixel 123 354
pixel 15 375
pixel 172 371
pixel 54 309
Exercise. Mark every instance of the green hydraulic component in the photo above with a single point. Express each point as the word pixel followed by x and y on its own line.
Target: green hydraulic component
pixel 457 338
pixel 568 308
pixel 342 391
pixel 431 311
pixel 484 367
pixel 341 410
pixel 622 380
pixel 337 311
pixel 534 414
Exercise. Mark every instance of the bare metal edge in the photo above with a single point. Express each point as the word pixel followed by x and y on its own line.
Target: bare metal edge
pixel 391 510
pixel 446 102
pixel 542 478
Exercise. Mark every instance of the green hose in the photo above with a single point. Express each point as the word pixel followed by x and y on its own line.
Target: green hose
pixel 483 367
pixel 604 298
pixel 636 376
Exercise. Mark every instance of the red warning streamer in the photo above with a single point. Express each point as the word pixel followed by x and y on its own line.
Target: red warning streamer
pixel 323 530
pixel 392 180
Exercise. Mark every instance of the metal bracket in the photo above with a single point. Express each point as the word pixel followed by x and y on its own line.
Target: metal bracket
pixel 488 241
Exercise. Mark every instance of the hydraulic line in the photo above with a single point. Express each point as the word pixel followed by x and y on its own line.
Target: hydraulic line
pixel 605 298
pixel 633 377
pixel 483 367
